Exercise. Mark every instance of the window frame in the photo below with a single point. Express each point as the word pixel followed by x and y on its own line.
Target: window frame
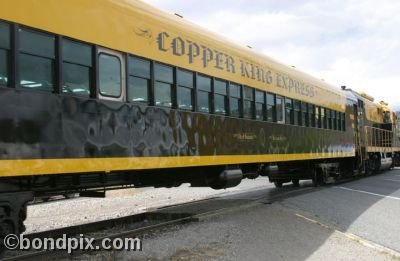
pixel 180 86
pixel 297 115
pixel 311 115
pixel 305 119
pixel 289 111
pixel 328 118
pixel 317 114
pixel 250 101
pixel 121 57
pixel 236 98
pixel 16 51
pixel 282 110
pixel 218 94
pixel 263 105
pixel 202 91
pixel 171 84
pixel 323 118
pixel 343 121
pixel 339 120
pixel 8 53
pixel 62 61
pixel 272 106
pixel 130 75
pixel 333 119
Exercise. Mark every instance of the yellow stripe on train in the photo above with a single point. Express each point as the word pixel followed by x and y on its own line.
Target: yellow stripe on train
pixel 62 166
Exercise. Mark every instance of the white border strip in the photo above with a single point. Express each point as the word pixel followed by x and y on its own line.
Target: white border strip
pixel 395 180
pixel 369 193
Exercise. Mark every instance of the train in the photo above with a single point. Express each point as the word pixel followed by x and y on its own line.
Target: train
pixel 106 94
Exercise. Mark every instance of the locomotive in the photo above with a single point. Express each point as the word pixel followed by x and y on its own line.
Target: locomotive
pixel 98 95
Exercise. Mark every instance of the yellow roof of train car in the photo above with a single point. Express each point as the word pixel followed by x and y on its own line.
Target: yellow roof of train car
pixel 135 27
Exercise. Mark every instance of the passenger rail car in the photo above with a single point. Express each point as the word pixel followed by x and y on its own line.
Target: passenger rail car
pixel 106 94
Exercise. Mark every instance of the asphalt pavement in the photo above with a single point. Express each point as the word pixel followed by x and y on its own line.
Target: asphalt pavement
pixel 355 220
pixel 367 207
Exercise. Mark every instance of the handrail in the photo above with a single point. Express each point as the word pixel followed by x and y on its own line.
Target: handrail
pixel 397 133
pixel 377 137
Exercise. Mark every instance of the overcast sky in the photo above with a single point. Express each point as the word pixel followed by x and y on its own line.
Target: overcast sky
pixel 345 42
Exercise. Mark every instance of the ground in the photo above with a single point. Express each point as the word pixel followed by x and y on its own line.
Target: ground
pixel 355 220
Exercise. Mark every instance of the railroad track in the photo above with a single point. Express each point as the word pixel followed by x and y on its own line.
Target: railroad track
pixel 140 224
pixel 155 220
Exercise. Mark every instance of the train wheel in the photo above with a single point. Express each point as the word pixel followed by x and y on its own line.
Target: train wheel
pixel 368 168
pixel 318 177
pixel 70 195
pixel 13 213
pixel 315 178
pixel 377 165
pixel 315 182
pixel 6 228
pixel 296 182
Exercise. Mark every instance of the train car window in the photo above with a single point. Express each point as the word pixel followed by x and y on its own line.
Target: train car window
pixel 328 118
pixel 37 43
pixel 339 121
pixel 220 98
pixel 248 102
pixel 163 73
pixel 323 118
pixel 185 89
pixel 260 105
pixel 4 54
pixel 311 111
pixel 36 59
pixel 304 114
pixel 109 75
pixel 4 35
pixel 203 93
pixel 139 67
pixel 334 120
pixel 280 110
pixel 317 117
pixel 271 107
pixel 139 79
pixel 76 68
pixel 235 100
pixel 164 79
pixel 343 122
pixel 289 119
pixel 297 112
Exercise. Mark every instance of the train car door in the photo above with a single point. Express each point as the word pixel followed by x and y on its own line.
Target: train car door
pixel 359 134
pixel 111 75
pixel 111 90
